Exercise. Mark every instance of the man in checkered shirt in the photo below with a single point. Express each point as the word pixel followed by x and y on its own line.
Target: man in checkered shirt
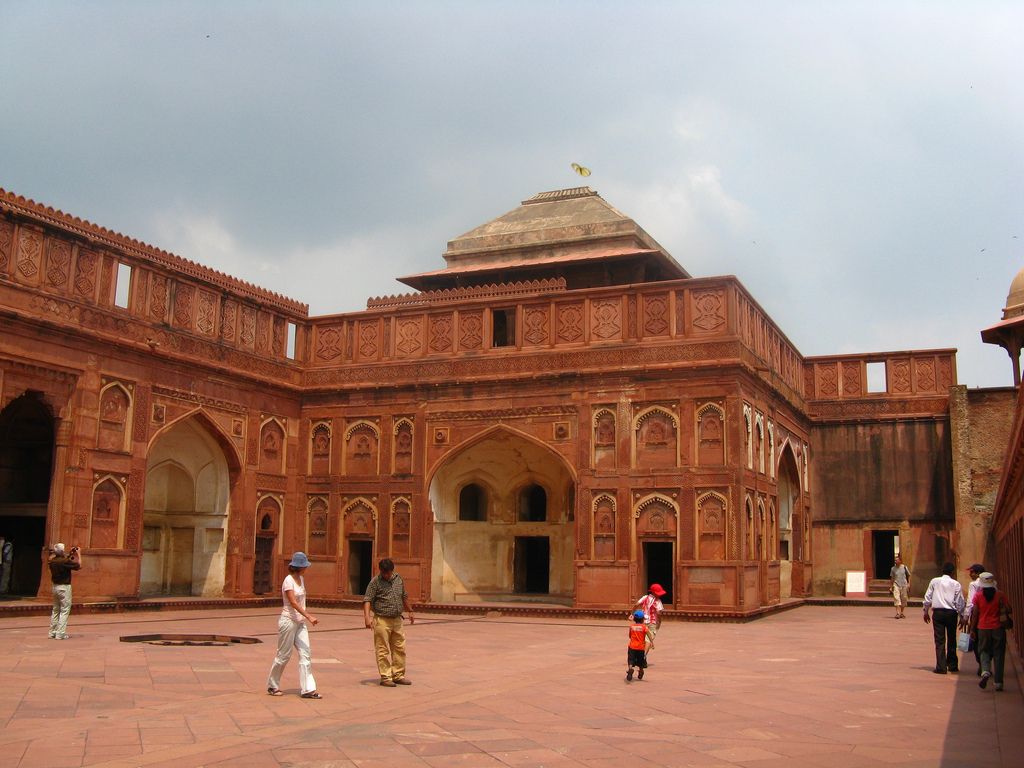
pixel 386 597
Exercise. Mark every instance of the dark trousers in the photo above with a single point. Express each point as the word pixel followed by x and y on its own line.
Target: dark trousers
pixel 992 646
pixel 944 622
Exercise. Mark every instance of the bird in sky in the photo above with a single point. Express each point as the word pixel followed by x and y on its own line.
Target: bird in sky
pixel 582 171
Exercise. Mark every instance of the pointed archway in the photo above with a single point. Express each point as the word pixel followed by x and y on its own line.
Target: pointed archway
pixel 189 478
pixel 503 520
pixel 789 519
pixel 26 466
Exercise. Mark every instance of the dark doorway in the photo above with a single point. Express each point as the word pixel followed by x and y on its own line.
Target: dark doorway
pixel 503 327
pixel 26 464
pixel 658 566
pixel 532 564
pixel 263 568
pixel 884 545
pixel 360 565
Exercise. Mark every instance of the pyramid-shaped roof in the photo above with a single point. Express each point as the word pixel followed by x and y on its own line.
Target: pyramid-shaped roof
pixel 551 232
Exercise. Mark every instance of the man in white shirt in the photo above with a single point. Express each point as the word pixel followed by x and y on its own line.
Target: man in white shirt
pixel 943 607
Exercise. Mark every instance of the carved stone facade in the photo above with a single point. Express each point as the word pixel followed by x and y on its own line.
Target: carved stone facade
pixel 563 398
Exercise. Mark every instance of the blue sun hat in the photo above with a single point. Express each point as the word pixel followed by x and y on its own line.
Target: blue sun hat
pixel 299 560
pixel 638 615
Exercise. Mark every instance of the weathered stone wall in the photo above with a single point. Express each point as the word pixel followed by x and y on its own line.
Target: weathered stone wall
pixel 980 424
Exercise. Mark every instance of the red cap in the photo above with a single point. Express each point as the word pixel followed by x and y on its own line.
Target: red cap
pixel 657 590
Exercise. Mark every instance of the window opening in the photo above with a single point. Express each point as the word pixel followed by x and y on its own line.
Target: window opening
pixel 533 504
pixel 122 286
pixel 472 503
pixel 503 328
pixel 290 348
pixel 876 377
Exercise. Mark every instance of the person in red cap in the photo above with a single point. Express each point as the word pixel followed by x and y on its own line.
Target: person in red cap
pixel 652 607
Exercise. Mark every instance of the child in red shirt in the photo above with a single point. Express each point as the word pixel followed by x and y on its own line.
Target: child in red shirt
pixel 639 635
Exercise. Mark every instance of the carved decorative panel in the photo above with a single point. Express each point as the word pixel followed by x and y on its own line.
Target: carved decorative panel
pixel 471 329
pixel 440 332
pixel 656 517
pixel 925 375
pixel 58 263
pixel 708 311
pixel 656 314
pixel 157 298
pixel 604 527
pixel 85 274
pixel 320 449
pixel 279 341
pixel 711 525
pixel 271 448
pixel 828 380
pixel 809 382
pixel 368 332
pixel 263 330
pixel 6 238
pixel 851 379
pixel 656 439
pixel 401 524
pixel 570 323
pixel 247 328
pixel 317 510
pixel 359 520
pixel 631 317
pixel 183 298
pixel 328 343
pixel 106 515
pixel 710 435
pixel 945 374
pixel 114 407
pixel 403 447
pixel 899 374
pixel 206 313
pixel 29 255
pixel 606 319
pixel 228 319
pixel 362 443
pixel 535 325
pixel 408 336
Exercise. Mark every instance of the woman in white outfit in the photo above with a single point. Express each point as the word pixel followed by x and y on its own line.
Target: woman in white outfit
pixel 292 631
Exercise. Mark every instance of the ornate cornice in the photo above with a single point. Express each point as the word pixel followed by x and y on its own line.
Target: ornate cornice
pixel 490 414
pixel 503 367
pixel 94 233
pixel 425 298
pixel 192 397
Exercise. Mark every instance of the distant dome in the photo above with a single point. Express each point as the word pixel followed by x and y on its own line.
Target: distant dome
pixel 1015 299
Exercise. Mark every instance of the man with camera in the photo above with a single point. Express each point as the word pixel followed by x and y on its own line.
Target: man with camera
pixel 61 565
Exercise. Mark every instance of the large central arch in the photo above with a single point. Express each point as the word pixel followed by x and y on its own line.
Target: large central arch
pixel 187 501
pixel 503 520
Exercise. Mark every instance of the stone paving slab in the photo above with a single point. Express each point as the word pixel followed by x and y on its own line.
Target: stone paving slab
pixel 827 687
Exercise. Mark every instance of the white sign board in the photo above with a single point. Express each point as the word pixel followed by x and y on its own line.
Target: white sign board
pixel 856 583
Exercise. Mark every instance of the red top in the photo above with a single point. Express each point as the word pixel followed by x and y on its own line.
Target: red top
pixel 986 611
pixel 638 636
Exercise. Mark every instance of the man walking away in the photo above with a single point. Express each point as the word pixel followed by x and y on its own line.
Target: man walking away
pixel 386 596
pixel 61 565
pixel 945 600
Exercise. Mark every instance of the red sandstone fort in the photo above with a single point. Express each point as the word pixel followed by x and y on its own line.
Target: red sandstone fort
pixel 561 412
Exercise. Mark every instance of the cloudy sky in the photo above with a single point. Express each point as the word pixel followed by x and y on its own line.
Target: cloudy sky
pixel 859 166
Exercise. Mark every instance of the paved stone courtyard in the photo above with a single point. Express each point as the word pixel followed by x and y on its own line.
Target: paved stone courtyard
pixel 837 687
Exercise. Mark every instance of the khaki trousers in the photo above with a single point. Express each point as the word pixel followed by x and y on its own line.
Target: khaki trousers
pixel 61 610
pixel 389 644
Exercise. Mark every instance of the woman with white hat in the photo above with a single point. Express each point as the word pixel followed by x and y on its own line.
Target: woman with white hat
pixel 292 631
pixel 990 618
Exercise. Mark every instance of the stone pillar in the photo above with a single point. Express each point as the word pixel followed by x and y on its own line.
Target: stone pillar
pixel 55 506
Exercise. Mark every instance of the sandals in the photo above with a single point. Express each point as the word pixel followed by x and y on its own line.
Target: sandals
pixel 274 692
pixel 311 695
